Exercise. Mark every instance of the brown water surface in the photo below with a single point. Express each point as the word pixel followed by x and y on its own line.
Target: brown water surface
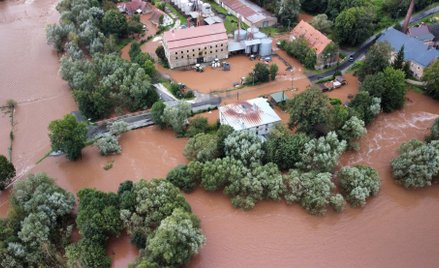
pixel 398 228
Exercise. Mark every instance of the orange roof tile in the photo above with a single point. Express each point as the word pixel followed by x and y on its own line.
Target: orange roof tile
pixel 315 39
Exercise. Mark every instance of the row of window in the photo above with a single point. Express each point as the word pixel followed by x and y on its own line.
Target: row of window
pixel 199 49
pixel 200 54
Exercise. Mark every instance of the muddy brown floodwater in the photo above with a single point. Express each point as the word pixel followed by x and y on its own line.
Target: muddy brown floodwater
pixel 398 228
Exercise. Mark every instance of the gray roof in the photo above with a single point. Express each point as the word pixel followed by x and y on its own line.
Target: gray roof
pixel 421 32
pixel 213 20
pixel 279 97
pixel 414 49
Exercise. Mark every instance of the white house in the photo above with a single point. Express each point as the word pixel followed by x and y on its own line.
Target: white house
pixel 255 115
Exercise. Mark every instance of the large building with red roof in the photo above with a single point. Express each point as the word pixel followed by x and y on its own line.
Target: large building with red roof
pixel 319 42
pixel 194 45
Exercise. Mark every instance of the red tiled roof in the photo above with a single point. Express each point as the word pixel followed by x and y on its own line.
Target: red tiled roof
pixel 188 37
pixel 315 39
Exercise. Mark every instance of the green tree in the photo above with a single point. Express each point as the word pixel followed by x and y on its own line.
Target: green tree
pixel 351 131
pixel 376 60
pixel 389 86
pixel 398 63
pixel 287 11
pixel 114 22
pixel 365 107
pixel 160 52
pixel 337 202
pixel 218 173
pixel 308 112
pixel 434 132
pixel 201 147
pixel 176 240
pixel 260 74
pixel 284 149
pixel 334 7
pixel 431 78
pixel 68 135
pixel 314 6
pixel 223 132
pixel 358 183
pixel 244 146
pixel 180 177
pixel 197 125
pixel 273 71
pixel 417 164
pixel 157 110
pixel 354 25
pixel 118 127
pixel 322 154
pixel 7 172
pixel 108 144
pixel 322 23
pixel 176 116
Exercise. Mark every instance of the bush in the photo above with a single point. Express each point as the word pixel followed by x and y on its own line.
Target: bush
pixel 201 147
pixel 7 172
pixel 182 179
pixel 434 133
pixel 118 127
pixel 351 131
pixel 417 164
pixel 160 52
pixel 337 202
pixel 197 125
pixel 358 183
pixel 108 145
pixel 244 146
pixel 218 173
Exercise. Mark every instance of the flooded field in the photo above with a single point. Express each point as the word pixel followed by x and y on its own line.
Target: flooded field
pixel 398 228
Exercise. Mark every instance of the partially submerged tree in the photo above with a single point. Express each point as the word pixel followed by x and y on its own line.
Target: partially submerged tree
pixel 417 164
pixel 244 146
pixel 176 116
pixel 431 78
pixel 365 106
pixel 201 147
pixel 157 110
pixel 358 183
pixel 351 131
pixel 180 177
pixel 108 144
pixel 68 136
pixel 7 172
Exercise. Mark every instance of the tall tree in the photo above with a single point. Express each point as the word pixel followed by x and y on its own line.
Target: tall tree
pixel 399 62
pixel 354 25
pixel 431 78
pixel 7 172
pixel 68 136
pixel 287 11
pixel 376 60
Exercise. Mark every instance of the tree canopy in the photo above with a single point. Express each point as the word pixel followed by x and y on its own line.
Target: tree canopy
pixel 354 25
pixel 431 78
pixel 7 172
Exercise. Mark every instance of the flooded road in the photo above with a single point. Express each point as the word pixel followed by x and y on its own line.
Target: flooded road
pixel 398 228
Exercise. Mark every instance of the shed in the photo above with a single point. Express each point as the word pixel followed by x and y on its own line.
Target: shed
pixel 278 98
pixel 340 79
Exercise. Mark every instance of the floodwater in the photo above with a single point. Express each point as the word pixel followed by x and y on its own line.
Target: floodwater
pixel 398 228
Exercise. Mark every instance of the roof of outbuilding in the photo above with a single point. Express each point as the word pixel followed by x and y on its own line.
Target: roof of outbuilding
pixel 414 49
pixel 315 39
pixel 422 33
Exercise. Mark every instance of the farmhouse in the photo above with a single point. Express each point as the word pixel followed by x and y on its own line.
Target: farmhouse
pixel 416 52
pixel 326 51
pixel 194 45
pixel 255 115
pixel 250 13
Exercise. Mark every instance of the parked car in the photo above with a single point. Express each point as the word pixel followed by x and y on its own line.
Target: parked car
pixel 351 58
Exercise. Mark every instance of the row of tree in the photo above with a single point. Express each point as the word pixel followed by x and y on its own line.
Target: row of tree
pixel 37 232
pixel 249 170
pixel 299 49
pixel 102 83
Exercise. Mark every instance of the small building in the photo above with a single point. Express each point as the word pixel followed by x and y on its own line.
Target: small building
pixel 254 115
pixel 434 30
pixel 416 52
pixel 341 79
pixel 184 47
pixel 278 98
pixel 326 51
pixel 133 7
pixel 250 13
pixel 422 33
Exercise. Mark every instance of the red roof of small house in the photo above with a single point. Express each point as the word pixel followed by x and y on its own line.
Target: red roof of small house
pixel 134 5
pixel 315 39
pixel 188 37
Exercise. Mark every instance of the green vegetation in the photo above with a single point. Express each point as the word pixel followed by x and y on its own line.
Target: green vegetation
pixel 262 73
pixel 68 135
pixel 160 52
pixel 431 78
pixel 300 50
pixel 7 172
pixel 358 183
pixel 38 225
pixel 176 116
pixel 376 60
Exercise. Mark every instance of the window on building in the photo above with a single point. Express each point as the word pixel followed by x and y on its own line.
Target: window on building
pixel 222 44
pixel 222 49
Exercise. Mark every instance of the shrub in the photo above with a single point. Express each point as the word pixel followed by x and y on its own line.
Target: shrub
pixel 182 179
pixel 201 147
pixel 358 183
pixel 108 145
pixel 244 146
pixel 219 172
pixel 197 125
pixel 337 202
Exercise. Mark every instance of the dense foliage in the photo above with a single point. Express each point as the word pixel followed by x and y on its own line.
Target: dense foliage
pixel 7 172
pixel 38 225
pixel 244 146
pixel 180 177
pixel 108 144
pixel 107 83
pixel 197 125
pixel 389 86
pixel 358 183
pixel 177 116
pixel 354 25
pixel 68 136
pixel 157 111
pixel 300 50
pixel 376 60
pixel 434 131
pixel 201 147
pixel 365 107
pixel 431 77
pixel 351 131
pixel 417 165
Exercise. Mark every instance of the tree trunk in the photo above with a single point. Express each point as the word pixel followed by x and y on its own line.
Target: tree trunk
pixel 405 25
